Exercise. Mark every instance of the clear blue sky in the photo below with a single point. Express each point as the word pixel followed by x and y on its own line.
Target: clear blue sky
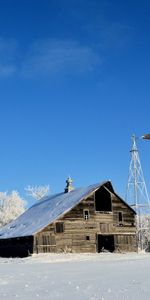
pixel 74 86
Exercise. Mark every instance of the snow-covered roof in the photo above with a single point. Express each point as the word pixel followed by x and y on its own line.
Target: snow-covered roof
pixel 45 212
pixel 48 210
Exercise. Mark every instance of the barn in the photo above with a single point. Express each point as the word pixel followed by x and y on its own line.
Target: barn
pixel 90 219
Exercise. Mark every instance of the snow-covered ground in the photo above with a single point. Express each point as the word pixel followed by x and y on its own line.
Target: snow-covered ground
pixel 76 277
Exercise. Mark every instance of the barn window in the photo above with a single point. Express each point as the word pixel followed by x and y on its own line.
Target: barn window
pixel 86 214
pixel 59 227
pixel 87 237
pixel 103 200
pixel 120 216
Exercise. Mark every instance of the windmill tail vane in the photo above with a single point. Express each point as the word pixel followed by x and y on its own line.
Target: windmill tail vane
pixel 146 136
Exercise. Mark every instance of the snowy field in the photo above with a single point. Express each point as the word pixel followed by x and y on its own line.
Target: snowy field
pixel 76 277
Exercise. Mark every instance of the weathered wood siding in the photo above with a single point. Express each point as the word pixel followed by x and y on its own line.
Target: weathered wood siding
pixel 80 235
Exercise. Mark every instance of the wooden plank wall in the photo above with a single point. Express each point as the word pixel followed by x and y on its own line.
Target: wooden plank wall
pixel 80 235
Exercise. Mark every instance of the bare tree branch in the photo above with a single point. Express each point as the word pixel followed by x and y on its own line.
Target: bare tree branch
pixel 37 192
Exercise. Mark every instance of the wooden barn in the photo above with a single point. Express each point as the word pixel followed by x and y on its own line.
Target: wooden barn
pixel 91 219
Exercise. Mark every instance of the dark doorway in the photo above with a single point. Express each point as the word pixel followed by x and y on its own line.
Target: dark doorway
pixel 16 247
pixel 105 243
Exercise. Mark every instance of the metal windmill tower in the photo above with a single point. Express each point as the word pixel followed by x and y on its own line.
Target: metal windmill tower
pixel 136 192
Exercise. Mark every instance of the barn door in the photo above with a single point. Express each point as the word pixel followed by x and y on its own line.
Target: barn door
pixel 45 243
pixel 49 242
pixel 105 243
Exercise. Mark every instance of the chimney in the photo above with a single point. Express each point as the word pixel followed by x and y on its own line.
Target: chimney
pixel 69 186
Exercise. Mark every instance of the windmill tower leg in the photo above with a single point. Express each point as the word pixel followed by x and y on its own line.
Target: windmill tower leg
pixel 136 193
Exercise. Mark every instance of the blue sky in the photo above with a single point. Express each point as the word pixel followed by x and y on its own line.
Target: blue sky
pixel 74 87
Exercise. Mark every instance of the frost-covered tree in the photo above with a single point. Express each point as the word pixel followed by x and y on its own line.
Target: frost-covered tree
pixel 11 206
pixel 38 191
pixel 143 232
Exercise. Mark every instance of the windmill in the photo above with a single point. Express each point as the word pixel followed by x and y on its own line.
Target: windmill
pixel 137 194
